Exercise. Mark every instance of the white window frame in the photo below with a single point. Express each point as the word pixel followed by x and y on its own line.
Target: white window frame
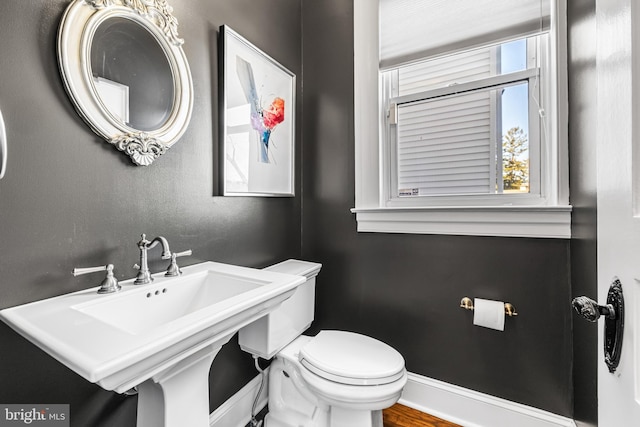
pixel 491 215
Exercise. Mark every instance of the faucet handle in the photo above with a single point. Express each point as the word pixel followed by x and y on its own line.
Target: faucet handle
pixel 108 285
pixel 85 270
pixel 143 240
pixel 173 269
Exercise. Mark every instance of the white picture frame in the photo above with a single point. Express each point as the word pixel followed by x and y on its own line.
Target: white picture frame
pixel 257 121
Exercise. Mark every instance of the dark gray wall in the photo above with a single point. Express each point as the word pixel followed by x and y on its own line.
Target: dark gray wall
pixel 582 133
pixel 70 200
pixel 405 289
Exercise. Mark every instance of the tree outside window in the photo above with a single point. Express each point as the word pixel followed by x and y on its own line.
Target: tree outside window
pixel 515 161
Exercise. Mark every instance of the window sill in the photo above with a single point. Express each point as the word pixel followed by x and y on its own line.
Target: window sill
pixel 505 221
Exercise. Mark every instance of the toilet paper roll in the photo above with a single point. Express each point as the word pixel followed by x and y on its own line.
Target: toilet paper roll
pixel 489 314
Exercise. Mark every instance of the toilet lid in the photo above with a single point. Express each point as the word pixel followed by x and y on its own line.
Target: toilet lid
pixel 350 358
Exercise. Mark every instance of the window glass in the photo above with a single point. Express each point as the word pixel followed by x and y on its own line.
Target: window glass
pixel 446 71
pixel 515 139
pixel 473 142
pixel 513 56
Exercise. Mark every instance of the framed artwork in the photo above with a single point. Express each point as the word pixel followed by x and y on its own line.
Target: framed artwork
pixel 258 121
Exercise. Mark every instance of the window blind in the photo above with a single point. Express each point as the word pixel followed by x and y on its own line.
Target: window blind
pixel 413 29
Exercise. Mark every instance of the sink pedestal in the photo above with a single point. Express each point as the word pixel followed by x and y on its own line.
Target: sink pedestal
pixel 178 396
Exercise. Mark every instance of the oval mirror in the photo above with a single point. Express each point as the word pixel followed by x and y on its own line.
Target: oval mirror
pixel 124 69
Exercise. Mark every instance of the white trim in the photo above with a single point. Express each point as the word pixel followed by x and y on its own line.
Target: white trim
pixel 473 409
pixel 366 103
pixel 511 221
pixel 447 401
pixel 479 84
pixel 557 178
pixel 236 411
pixel 550 220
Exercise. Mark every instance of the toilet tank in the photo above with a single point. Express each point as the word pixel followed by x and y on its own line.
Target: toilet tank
pixel 268 335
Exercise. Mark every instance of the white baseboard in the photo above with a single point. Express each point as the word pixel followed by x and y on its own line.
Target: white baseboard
pixel 473 409
pixel 450 402
pixel 236 411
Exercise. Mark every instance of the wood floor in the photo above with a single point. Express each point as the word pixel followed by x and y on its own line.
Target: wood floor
pixel 399 416
pixel 402 416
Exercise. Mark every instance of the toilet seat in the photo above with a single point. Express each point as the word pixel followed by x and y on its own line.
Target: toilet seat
pixel 351 359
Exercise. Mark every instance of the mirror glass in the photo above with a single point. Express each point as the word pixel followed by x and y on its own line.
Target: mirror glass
pixel 131 74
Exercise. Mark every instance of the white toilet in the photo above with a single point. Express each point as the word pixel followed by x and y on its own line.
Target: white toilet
pixel 335 379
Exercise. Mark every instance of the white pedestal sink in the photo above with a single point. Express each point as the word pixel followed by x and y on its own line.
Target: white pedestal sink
pixel 160 337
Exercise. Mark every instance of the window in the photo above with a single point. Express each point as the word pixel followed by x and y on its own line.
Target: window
pixel 470 136
pixel 461 124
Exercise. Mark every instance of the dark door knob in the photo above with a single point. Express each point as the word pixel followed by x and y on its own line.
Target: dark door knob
pixel 613 313
pixel 591 310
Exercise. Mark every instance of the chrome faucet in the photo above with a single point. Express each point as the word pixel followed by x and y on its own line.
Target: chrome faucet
pixel 144 275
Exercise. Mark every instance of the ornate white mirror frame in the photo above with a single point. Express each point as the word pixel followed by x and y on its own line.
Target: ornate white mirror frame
pixel 77 30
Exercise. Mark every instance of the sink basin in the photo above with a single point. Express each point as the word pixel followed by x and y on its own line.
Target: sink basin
pixel 168 302
pixel 161 337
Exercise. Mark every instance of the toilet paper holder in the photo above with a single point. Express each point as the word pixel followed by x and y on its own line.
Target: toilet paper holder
pixel 509 309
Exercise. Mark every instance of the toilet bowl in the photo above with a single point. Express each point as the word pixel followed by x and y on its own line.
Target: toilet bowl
pixel 334 379
pixel 315 381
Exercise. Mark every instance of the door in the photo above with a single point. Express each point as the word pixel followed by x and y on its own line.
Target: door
pixel 618 192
